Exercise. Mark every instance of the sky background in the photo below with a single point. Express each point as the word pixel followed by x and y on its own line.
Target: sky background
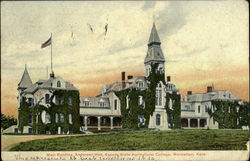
pixel 203 42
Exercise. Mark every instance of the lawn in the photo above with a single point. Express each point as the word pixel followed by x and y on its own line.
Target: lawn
pixel 145 140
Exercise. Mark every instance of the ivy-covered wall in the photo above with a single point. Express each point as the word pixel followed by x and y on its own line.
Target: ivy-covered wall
pixel 63 108
pixel 130 115
pixel 226 113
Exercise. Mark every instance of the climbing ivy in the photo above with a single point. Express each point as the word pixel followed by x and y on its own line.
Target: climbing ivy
pixel 230 114
pixel 130 115
pixel 64 108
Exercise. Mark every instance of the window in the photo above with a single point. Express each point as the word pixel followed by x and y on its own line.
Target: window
pixel 127 102
pixel 70 100
pixel 140 100
pixel 115 104
pixel 47 118
pixel 61 117
pixel 56 100
pixel 229 95
pixel 30 130
pixel 46 98
pixel 86 103
pixel 30 119
pixel 141 120
pixel 206 108
pixel 58 84
pixel 61 100
pixel 16 130
pixel 158 119
pixel 199 109
pixel 56 118
pixel 170 104
pixel 30 102
pixel 158 100
pixel 101 104
pixel 139 84
pixel 70 118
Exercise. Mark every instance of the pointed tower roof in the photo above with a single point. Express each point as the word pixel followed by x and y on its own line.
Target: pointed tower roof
pixel 154 52
pixel 25 80
pixel 154 37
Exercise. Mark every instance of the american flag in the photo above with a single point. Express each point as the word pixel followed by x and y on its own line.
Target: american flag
pixel 47 43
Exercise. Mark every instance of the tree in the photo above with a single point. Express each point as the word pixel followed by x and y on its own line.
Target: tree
pixel 7 121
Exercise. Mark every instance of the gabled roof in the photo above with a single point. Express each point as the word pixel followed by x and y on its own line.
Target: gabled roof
pixel 154 37
pixel 25 80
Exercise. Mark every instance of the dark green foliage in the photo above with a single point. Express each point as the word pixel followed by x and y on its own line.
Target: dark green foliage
pixel 225 113
pixel 64 108
pixel 145 140
pixel 130 115
pixel 7 121
pixel 174 115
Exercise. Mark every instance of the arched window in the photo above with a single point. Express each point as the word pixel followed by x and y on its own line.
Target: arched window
pixel 158 119
pixel 158 100
pixel 58 84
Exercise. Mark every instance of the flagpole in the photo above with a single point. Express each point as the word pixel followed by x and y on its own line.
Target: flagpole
pixel 51 55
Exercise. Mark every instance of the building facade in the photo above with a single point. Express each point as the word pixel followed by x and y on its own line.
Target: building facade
pixel 47 106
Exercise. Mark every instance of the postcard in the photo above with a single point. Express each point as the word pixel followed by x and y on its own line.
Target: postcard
pixel 125 80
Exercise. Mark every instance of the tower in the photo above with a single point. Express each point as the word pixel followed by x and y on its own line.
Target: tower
pixel 154 53
pixel 24 83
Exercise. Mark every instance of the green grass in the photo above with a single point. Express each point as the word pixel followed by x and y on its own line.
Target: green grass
pixel 145 140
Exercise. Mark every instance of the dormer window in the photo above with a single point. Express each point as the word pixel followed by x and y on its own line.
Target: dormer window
pixel 139 84
pixel 58 84
pixel 101 104
pixel 86 103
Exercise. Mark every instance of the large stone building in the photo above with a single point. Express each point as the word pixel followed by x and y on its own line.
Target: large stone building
pixel 195 107
pixel 47 106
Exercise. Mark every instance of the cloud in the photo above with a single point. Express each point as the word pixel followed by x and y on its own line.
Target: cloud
pixel 148 4
pixel 172 18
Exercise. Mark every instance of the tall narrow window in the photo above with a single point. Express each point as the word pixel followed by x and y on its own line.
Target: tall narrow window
pixel 56 118
pixel 58 84
pixel 127 102
pixel 199 109
pixel 47 98
pixel 70 100
pixel 158 94
pixel 61 118
pixel 70 118
pixel 47 118
pixel 115 104
pixel 30 119
pixel 158 119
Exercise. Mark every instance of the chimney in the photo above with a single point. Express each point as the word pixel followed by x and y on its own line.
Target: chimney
pixel 130 76
pixel 52 75
pixel 168 79
pixel 123 80
pixel 189 92
pixel 209 89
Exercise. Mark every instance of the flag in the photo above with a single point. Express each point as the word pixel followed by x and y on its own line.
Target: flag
pixel 47 43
